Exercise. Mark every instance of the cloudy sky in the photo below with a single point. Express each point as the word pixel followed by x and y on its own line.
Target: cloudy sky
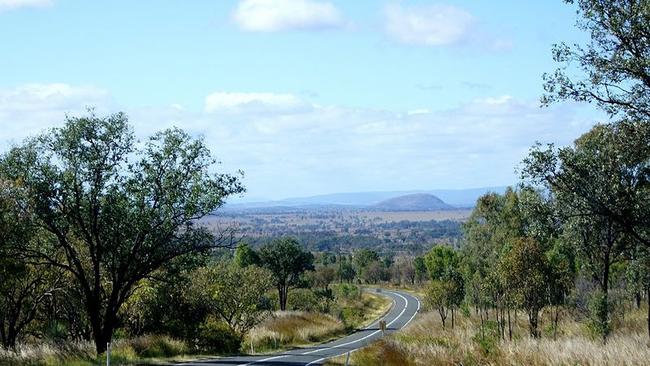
pixel 305 96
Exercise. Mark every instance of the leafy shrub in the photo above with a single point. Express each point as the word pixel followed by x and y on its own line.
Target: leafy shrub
pixel 302 299
pixel 347 291
pixel 487 339
pixel 216 337
pixel 599 320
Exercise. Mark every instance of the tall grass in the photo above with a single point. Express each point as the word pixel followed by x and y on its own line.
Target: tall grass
pixel 124 352
pixel 425 342
pixel 292 328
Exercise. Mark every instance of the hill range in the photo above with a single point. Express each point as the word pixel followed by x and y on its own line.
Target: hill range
pixel 442 199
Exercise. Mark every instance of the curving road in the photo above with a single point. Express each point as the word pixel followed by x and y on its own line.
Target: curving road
pixel 404 309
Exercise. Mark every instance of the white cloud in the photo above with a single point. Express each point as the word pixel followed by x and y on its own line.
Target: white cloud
pixel 224 101
pixel 30 108
pixel 439 25
pixel 288 146
pixel 282 15
pixel 16 4
pixel 433 25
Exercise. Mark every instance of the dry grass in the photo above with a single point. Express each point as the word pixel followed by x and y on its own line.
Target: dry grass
pixel 141 350
pixel 296 328
pixel 425 342
pixel 293 328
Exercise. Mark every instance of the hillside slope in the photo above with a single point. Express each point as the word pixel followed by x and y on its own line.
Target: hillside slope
pixel 413 202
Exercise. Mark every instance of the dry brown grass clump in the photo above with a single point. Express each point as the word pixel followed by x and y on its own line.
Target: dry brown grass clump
pixel 292 328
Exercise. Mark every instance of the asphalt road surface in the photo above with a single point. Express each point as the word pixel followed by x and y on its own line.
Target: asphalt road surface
pixel 404 309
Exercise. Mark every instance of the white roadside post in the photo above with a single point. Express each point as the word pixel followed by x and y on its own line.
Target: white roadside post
pixel 108 353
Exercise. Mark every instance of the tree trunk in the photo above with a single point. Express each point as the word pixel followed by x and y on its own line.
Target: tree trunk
pixel 555 321
pixel 283 291
pixel 443 315
pixel 648 299
pixel 509 326
pixel 452 317
pixel 533 317
pixel 604 316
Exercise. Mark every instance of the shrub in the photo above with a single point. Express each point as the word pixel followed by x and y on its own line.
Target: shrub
pixel 302 299
pixel 487 339
pixel 216 337
pixel 599 320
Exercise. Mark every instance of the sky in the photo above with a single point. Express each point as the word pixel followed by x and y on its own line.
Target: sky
pixel 305 97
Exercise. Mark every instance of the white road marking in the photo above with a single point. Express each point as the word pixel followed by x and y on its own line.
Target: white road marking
pixel 370 335
pixel 264 360
pixel 347 343
pixel 414 314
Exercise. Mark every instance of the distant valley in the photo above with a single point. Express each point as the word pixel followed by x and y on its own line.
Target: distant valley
pixel 390 222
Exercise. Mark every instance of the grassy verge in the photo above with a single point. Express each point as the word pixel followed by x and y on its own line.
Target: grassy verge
pixel 425 342
pixel 142 350
pixel 294 328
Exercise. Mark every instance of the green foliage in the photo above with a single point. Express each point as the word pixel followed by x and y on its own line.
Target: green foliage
pixel 346 272
pixel 287 261
pixel 420 269
pixel 599 315
pixel 487 339
pixel 246 256
pixel 215 336
pixel 440 261
pixel 611 70
pixel 117 210
pixel 156 346
pixel 524 272
pixel 232 293
pixel 303 299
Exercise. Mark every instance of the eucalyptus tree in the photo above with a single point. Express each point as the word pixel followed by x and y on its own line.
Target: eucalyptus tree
pixel 23 287
pixel 287 261
pixel 612 69
pixel 118 209
pixel 602 186
pixel 233 293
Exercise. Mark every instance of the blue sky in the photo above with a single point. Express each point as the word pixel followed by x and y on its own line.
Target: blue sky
pixel 305 96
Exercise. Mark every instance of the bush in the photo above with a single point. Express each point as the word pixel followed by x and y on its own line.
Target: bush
pixel 347 291
pixel 599 320
pixel 302 299
pixel 487 339
pixel 216 337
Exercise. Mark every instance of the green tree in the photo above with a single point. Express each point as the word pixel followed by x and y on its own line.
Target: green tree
pixel 346 272
pixel 601 187
pixel 613 67
pixel 440 260
pixel 246 256
pixel 420 269
pixel 448 286
pixel 23 287
pixel 286 259
pixel 363 258
pixel 524 270
pixel 232 293
pixel 118 210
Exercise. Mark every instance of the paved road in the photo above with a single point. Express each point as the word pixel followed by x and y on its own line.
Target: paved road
pixel 404 309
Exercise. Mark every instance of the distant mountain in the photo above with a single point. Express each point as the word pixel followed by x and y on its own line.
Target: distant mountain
pixel 413 202
pixel 455 197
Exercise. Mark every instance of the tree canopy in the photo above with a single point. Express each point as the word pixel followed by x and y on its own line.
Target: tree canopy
pixel 116 210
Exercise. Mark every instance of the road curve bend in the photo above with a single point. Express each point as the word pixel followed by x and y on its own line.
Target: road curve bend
pixel 403 310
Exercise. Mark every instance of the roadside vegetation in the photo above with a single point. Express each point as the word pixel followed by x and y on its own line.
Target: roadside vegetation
pixel 102 245
pixel 556 270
